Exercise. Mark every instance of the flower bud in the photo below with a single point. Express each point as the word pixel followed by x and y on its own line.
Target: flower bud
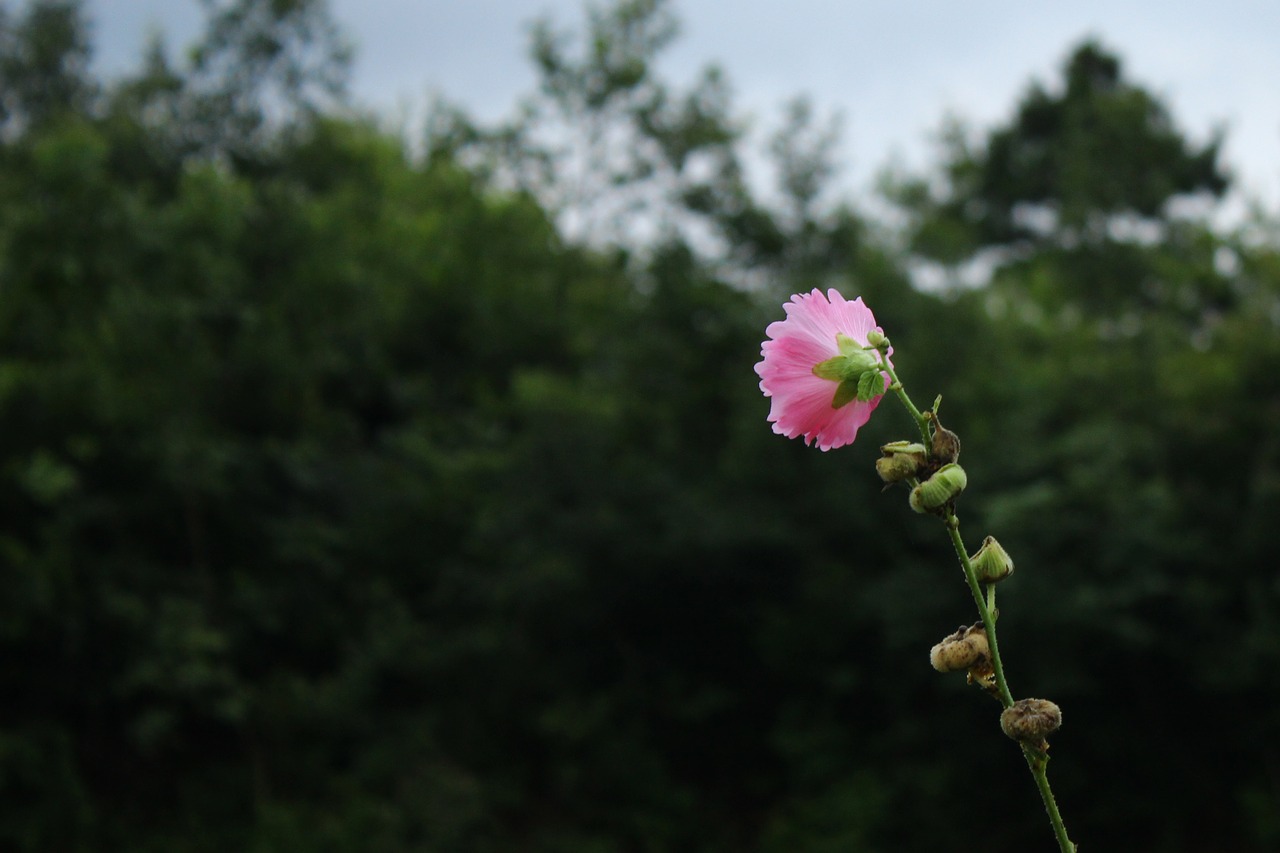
pixel 965 649
pixel 940 489
pixel 1029 721
pixel 877 340
pixel 901 461
pixel 992 563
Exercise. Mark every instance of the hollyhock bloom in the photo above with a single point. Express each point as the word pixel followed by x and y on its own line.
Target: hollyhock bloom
pixel 811 368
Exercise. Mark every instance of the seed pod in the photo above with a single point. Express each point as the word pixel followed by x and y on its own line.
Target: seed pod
pixel 940 489
pixel 946 444
pixel 901 461
pixel 992 563
pixel 965 649
pixel 1029 721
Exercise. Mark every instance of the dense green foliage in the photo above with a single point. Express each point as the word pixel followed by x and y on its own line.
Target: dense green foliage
pixel 357 500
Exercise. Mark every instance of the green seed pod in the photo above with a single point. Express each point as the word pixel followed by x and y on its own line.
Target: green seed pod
pixel 902 460
pixel 1031 720
pixel 992 563
pixel 940 489
pixel 965 649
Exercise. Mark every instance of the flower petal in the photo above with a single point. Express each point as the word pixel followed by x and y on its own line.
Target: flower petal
pixel 801 403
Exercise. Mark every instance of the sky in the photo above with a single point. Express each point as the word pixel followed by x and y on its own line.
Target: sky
pixel 892 70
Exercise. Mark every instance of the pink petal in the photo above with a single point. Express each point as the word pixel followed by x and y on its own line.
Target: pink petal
pixel 800 401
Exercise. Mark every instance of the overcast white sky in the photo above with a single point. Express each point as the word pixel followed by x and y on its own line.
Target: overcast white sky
pixel 892 69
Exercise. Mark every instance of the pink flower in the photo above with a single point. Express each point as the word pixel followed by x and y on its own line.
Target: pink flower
pixel 827 333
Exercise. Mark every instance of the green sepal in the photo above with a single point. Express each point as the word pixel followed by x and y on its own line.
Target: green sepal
pixel 846 393
pixel 833 368
pixel 848 346
pixel 870 385
pixel 855 371
pixel 838 368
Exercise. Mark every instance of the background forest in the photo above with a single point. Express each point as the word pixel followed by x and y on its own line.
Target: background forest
pixel 375 490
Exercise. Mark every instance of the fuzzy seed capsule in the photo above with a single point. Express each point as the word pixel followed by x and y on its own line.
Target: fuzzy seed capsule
pixel 965 649
pixel 1029 721
pixel 940 489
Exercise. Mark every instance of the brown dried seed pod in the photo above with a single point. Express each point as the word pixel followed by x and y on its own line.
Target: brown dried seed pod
pixel 946 444
pixel 964 649
pixel 1031 720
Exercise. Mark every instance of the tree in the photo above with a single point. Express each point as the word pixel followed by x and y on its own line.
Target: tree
pixel 44 65
pixel 263 64
pixel 1072 194
pixel 348 500
pixel 631 160
pixel 1114 351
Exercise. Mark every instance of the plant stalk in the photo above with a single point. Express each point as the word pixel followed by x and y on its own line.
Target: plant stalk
pixel 1037 760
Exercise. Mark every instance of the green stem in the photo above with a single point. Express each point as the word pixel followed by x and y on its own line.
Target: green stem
pixel 1039 763
pixel 895 385
pixel 988 618
pixel 1037 760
